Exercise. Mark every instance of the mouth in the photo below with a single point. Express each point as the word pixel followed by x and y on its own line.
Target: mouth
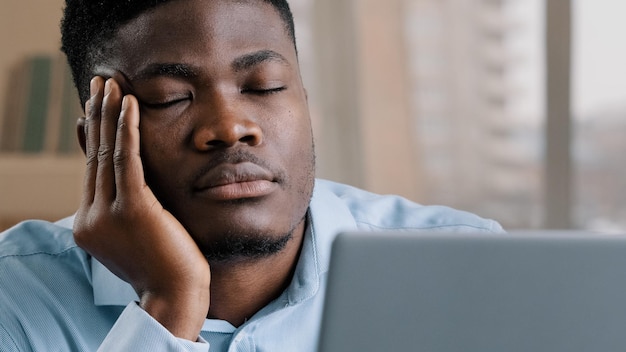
pixel 228 182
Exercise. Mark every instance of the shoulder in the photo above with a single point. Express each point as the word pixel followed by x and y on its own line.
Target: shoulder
pixel 40 244
pixel 50 290
pixel 373 211
pixel 36 237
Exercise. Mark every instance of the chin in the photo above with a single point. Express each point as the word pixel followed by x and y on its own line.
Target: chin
pixel 240 245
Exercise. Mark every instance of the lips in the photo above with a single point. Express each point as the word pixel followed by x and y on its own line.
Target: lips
pixel 235 181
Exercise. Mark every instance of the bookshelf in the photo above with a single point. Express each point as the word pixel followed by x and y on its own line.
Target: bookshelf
pixel 41 165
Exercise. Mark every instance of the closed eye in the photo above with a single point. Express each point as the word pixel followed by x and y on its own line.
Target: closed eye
pixel 263 91
pixel 165 104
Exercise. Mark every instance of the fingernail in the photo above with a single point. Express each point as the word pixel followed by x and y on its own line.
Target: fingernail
pixel 107 87
pixel 93 86
pixel 124 102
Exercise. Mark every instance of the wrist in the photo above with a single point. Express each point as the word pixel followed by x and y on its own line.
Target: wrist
pixel 181 312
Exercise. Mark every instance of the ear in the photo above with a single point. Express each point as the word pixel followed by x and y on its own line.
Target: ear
pixel 80 133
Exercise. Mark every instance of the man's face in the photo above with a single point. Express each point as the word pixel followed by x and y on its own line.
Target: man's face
pixel 226 139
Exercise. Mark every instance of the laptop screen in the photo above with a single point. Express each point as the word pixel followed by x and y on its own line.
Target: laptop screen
pixel 522 291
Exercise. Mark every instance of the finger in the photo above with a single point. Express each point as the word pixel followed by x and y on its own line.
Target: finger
pixel 129 176
pixel 92 133
pixel 110 112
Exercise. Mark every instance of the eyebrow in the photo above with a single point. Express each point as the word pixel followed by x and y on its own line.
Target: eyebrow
pixel 176 70
pixel 247 61
pixel 180 70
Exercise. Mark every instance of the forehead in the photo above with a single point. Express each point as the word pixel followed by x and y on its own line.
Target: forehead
pixel 197 30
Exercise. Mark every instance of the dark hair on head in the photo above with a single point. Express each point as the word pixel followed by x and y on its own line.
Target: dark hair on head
pixel 88 26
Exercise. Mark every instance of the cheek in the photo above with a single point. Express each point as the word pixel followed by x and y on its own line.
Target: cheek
pixel 153 145
pixel 161 136
pixel 299 135
pixel 159 148
pixel 298 149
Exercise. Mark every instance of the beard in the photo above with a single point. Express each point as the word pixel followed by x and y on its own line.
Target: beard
pixel 234 248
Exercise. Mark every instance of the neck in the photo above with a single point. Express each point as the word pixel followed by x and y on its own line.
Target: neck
pixel 241 289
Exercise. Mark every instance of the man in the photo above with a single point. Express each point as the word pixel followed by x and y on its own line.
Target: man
pixel 199 227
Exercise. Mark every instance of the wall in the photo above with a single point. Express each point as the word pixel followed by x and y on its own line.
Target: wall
pixel 35 186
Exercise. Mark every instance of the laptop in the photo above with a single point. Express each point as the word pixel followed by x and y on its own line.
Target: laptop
pixel 521 291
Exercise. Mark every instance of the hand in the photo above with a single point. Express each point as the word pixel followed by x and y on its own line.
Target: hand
pixel 122 224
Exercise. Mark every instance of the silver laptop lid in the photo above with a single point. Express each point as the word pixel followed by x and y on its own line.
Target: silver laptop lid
pixel 522 291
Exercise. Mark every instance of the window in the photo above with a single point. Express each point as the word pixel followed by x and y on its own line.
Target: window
pixel 476 85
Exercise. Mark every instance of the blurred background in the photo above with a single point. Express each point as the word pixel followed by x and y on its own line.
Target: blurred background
pixel 512 109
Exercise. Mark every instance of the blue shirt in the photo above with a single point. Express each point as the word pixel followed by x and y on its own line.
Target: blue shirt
pixel 54 296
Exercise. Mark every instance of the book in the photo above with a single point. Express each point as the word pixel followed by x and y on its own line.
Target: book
pixel 37 103
pixel 42 108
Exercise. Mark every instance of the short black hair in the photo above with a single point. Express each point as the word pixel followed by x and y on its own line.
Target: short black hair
pixel 88 26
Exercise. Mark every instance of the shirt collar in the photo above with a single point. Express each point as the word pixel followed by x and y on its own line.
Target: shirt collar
pixel 108 289
pixel 328 215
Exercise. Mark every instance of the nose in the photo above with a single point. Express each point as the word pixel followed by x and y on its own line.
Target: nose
pixel 223 125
